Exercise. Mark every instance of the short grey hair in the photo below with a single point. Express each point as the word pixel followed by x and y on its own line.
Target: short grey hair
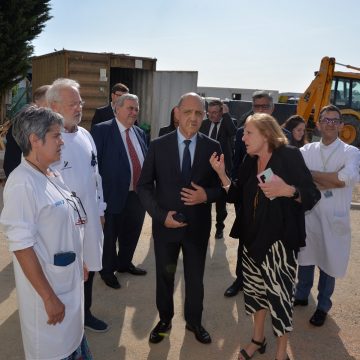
pixel 53 94
pixel 34 120
pixel 262 94
pixel 183 97
pixel 120 100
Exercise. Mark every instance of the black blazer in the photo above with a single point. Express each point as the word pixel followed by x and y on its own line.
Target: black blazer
pixel 160 184
pixel 225 137
pixel 114 166
pixel 166 130
pixel 102 114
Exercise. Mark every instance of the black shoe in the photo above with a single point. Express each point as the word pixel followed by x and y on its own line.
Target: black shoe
pixel 261 349
pixel 94 324
pixel 318 318
pixel 200 333
pixel 300 302
pixel 133 270
pixel 219 234
pixel 159 331
pixel 233 290
pixel 111 281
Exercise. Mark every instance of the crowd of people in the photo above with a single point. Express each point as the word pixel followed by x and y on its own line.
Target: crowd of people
pixel 75 201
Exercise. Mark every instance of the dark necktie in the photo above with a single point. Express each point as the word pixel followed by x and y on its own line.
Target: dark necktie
pixel 186 163
pixel 136 166
pixel 213 134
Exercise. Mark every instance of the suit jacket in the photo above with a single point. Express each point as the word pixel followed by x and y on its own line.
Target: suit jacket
pixel 225 137
pixel 166 130
pixel 12 156
pixel 160 184
pixel 114 166
pixel 102 114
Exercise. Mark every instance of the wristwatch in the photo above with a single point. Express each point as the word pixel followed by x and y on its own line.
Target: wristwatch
pixel 296 194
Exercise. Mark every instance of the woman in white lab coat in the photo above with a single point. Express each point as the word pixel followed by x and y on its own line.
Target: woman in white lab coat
pixel 43 223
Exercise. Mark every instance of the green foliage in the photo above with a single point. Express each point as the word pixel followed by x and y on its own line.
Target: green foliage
pixel 21 21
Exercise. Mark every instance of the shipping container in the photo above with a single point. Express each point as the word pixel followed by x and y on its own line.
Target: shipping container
pixel 96 74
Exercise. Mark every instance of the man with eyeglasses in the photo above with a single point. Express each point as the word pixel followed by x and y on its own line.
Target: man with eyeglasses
pixel 107 112
pixel 78 167
pixel 220 126
pixel 335 169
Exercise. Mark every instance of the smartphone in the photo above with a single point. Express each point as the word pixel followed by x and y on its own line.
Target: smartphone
pixel 179 217
pixel 265 176
pixel 64 258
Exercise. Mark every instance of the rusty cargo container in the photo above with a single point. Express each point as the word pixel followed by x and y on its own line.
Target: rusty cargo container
pixel 96 74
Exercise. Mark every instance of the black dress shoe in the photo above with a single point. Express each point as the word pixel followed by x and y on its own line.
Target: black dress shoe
pixel 233 290
pixel 111 281
pixel 158 332
pixel 318 318
pixel 300 302
pixel 219 234
pixel 133 270
pixel 200 333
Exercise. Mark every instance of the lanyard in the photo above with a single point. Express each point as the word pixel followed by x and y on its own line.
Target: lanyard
pixel 325 161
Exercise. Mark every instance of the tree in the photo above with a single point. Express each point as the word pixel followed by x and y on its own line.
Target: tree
pixel 21 21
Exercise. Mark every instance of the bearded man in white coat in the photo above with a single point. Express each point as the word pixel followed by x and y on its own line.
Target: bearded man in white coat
pixel 78 167
pixel 335 169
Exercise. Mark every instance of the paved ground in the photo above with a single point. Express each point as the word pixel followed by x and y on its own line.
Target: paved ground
pixel 131 312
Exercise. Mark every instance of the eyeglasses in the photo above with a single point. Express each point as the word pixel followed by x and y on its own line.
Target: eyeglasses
pixel 78 207
pixel 329 121
pixel 262 106
pixel 74 105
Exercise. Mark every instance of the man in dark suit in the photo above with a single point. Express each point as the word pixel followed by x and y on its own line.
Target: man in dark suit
pixel 107 112
pixel 219 126
pixel 177 186
pixel 121 148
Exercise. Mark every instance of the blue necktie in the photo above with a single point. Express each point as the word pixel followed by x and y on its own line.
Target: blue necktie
pixel 186 163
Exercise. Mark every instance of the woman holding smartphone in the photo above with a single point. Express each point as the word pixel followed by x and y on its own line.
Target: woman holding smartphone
pixel 274 188
pixel 43 223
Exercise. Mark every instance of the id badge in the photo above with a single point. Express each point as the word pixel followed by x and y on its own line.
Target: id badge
pixel 328 194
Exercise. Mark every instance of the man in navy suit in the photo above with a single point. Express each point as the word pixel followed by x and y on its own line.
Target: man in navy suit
pixel 177 186
pixel 107 112
pixel 220 126
pixel 121 148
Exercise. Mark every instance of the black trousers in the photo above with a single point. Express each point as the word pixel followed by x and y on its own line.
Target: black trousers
pixel 88 285
pixel 166 257
pixel 239 266
pixel 221 213
pixel 122 230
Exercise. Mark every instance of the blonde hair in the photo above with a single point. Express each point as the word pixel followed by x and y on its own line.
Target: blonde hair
pixel 269 128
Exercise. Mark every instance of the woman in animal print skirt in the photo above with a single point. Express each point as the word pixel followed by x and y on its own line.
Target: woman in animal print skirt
pixel 274 189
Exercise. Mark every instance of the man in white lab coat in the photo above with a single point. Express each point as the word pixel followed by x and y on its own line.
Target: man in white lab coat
pixel 335 169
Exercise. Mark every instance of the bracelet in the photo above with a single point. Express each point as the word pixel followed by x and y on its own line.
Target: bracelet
pixel 226 187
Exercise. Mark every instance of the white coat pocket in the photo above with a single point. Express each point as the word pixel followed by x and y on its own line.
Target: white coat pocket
pixel 61 278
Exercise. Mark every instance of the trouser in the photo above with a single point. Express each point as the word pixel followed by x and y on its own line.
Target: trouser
pixel 88 285
pixel 326 286
pixel 221 213
pixel 239 267
pixel 166 257
pixel 123 229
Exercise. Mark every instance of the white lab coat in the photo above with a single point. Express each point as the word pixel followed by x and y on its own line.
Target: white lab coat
pixel 36 215
pixel 78 167
pixel 328 233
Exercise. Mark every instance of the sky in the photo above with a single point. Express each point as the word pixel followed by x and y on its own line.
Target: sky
pixel 257 44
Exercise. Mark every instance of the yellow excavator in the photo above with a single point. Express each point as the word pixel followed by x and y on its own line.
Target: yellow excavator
pixel 338 88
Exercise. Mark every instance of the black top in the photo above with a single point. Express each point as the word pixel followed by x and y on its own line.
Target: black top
pixel 283 218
